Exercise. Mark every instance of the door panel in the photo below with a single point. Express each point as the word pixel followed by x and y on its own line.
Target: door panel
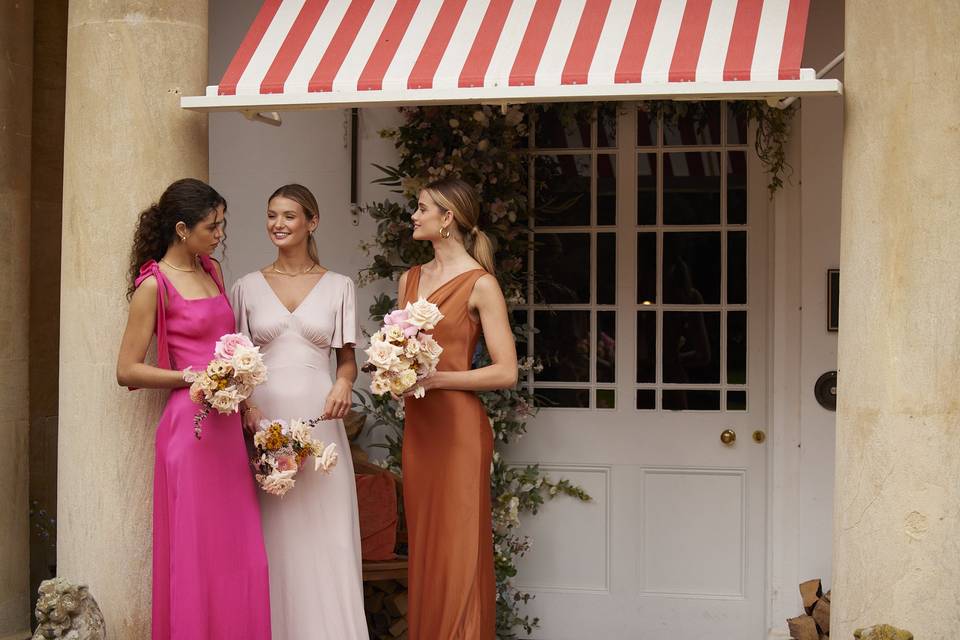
pixel 652 326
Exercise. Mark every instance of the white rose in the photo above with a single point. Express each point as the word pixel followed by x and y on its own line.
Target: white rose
pixel 393 333
pixel 423 314
pixel 411 348
pixel 300 431
pixel 430 347
pixel 408 378
pixel 327 460
pixel 378 338
pixel 219 369
pixel 247 360
pixel 225 400
pixel 383 355
pixel 278 482
pixel 379 385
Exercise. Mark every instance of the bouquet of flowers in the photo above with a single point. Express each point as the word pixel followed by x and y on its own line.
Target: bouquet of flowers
pixel 237 367
pixel 401 353
pixel 282 449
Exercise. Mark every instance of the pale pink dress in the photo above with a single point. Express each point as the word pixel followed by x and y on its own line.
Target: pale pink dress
pixel 312 533
pixel 210 579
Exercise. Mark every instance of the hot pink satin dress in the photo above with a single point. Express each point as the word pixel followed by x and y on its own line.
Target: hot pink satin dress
pixel 210 578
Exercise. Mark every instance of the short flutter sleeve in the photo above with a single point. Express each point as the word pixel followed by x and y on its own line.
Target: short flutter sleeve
pixel 238 302
pixel 345 328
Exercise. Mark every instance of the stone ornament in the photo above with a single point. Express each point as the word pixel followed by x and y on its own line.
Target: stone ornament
pixel 68 611
pixel 882 632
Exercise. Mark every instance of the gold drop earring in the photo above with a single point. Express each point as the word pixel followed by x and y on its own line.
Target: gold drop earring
pixel 444 232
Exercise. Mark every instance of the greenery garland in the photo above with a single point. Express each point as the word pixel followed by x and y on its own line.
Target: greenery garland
pixel 484 146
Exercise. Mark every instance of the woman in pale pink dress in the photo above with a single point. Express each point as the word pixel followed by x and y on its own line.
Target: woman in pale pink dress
pixel 210 579
pixel 299 313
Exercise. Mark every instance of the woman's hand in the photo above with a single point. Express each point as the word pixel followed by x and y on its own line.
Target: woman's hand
pixel 251 419
pixel 429 382
pixel 338 401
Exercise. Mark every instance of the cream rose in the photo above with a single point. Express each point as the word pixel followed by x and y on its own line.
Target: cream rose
pixel 423 314
pixel 393 333
pixel 411 349
pixel 219 369
pixel 226 400
pixel 384 355
pixel 327 459
pixel 247 360
pixel 278 482
pixel 430 347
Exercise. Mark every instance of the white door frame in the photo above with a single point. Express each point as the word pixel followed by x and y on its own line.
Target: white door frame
pixel 783 395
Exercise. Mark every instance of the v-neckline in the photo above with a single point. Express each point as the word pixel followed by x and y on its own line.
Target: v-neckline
pixel 302 300
pixel 449 281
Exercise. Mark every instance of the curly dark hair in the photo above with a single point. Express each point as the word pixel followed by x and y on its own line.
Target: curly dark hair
pixel 187 200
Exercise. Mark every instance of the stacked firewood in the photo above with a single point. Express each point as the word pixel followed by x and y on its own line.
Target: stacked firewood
pixel 815 624
pixel 385 602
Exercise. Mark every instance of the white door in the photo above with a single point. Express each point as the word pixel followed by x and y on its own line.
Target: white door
pixel 648 300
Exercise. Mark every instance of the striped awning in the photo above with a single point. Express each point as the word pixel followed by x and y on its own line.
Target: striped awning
pixel 340 53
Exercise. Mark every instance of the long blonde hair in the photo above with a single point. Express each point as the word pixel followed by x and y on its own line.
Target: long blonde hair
pixel 460 199
pixel 305 198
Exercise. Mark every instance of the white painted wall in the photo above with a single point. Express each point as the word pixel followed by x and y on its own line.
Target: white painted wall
pixel 821 143
pixel 248 160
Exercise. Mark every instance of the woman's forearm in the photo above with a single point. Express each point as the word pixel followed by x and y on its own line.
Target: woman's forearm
pixel 494 376
pixel 144 376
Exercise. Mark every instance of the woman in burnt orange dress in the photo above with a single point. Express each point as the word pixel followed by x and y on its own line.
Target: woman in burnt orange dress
pixel 448 440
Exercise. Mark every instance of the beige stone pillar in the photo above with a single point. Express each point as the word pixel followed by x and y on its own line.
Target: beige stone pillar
pixel 16 81
pixel 897 501
pixel 125 139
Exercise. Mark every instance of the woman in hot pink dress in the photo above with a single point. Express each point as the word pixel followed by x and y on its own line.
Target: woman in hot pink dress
pixel 210 579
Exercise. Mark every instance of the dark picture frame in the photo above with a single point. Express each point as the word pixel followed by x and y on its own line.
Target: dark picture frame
pixel 833 299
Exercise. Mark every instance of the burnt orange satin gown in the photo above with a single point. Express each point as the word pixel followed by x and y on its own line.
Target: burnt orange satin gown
pixel 447 451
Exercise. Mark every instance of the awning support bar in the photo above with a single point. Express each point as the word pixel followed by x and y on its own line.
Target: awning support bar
pixel 786 102
pixel 272 117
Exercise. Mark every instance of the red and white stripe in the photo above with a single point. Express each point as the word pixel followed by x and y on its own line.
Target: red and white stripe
pixel 499 49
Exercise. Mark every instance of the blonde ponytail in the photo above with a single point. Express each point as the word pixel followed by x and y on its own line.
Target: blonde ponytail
pixel 460 199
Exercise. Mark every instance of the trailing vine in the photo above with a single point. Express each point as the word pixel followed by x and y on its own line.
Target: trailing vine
pixel 485 145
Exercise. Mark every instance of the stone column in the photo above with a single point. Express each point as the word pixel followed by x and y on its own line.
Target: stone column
pixel 897 499
pixel 16 82
pixel 125 140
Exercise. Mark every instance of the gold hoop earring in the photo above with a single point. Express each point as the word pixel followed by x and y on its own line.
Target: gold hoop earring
pixel 444 232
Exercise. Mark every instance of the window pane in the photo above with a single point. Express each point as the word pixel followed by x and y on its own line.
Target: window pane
pixel 606 399
pixel 646 129
pixel 563 190
pixel 561 265
pixel 691 400
pixel 646 346
pixel 737 267
pixel 562 398
pixel 563 126
pixel 647 188
pixel 646 399
pixel 606 189
pixel 606 268
pixel 736 187
pixel 646 268
pixel 737 347
pixel 700 125
pixel 691 188
pixel 606 346
pixel 562 343
pixel 691 268
pixel 736 400
pixel 691 347
pixel 607 125
pixel 736 125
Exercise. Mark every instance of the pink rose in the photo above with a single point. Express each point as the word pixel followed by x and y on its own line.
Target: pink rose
pixel 398 317
pixel 411 331
pixel 286 463
pixel 227 345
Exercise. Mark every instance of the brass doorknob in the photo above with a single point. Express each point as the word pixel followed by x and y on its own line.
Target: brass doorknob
pixel 728 437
